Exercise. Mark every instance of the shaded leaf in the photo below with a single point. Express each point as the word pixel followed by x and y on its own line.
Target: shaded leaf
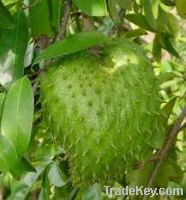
pixel 2 97
pixel 167 23
pixel 23 188
pixel 135 33
pixel 127 4
pixel 56 177
pixel 168 45
pixel 9 160
pixel 139 20
pixel 6 20
pixel 12 50
pixel 113 11
pixel 40 19
pixel 149 6
pixel 157 48
pixel 72 44
pixel 167 109
pixel 56 11
pixel 90 193
pixel 17 115
pixel 45 190
pixel 92 7
pixel 167 76
pixel 181 8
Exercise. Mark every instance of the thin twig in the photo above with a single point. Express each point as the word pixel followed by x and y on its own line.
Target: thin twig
pixel 65 19
pixel 165 149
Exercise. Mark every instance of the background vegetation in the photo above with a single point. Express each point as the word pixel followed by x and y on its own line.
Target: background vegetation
pixel 33 34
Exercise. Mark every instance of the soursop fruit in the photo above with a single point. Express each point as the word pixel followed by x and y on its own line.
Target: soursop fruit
pixel 105 110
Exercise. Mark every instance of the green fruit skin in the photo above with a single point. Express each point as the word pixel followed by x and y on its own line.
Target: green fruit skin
pixel 105 110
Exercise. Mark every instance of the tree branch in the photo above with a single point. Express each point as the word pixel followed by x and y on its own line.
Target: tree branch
pixel 163 154
pixel 66 16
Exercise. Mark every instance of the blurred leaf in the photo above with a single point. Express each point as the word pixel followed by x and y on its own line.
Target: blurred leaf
pixel 139 20
pixel 12 50
pixel 56 177
pixel 72 44
pixel 6 20
pixel 90 193
pixel 167 109
pixel 9 160
pixel 156 49
pixel 56 11
pixel 135 33
pixel 139 177
pixel 40 19
pixel 169 45
pixel 20 192
pixel 181 8
pixel 168 2
pixel 2 97
pixel 150 12
pixel 127 4
pixel 113 11
pixel 22 189
pixel 45 189
pixel 167 23
pixel 92 7
pixel 167 76
pixel 17 115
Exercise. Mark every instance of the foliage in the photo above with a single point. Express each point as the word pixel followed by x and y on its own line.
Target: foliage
pixel 36 35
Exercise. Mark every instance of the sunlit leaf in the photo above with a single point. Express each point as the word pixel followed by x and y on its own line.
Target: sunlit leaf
pixel 17 115
pixel 12 50
pixel 92 7
pixel 9 160
pixel 72 44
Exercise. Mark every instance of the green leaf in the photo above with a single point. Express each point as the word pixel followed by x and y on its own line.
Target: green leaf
pixel 56 11
pixel 90 193
pixel 168 44
pixel 127 4
pixel 167 76
pixel 2 97
pixel 167 109
pixel 40 19
pixel 72 44
pixel 12 50
pixel 149 7
pixel 45 190
pixel 181 8
pixel 92 7
pixel 22 189
pixel 157 47
pixel 135 33
pixel 17 115
pixel 56 177
pixel 167 23
pixel 9 160
pixel 93 192
pixel 6 20
pixel 113 11
pixel 139 20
